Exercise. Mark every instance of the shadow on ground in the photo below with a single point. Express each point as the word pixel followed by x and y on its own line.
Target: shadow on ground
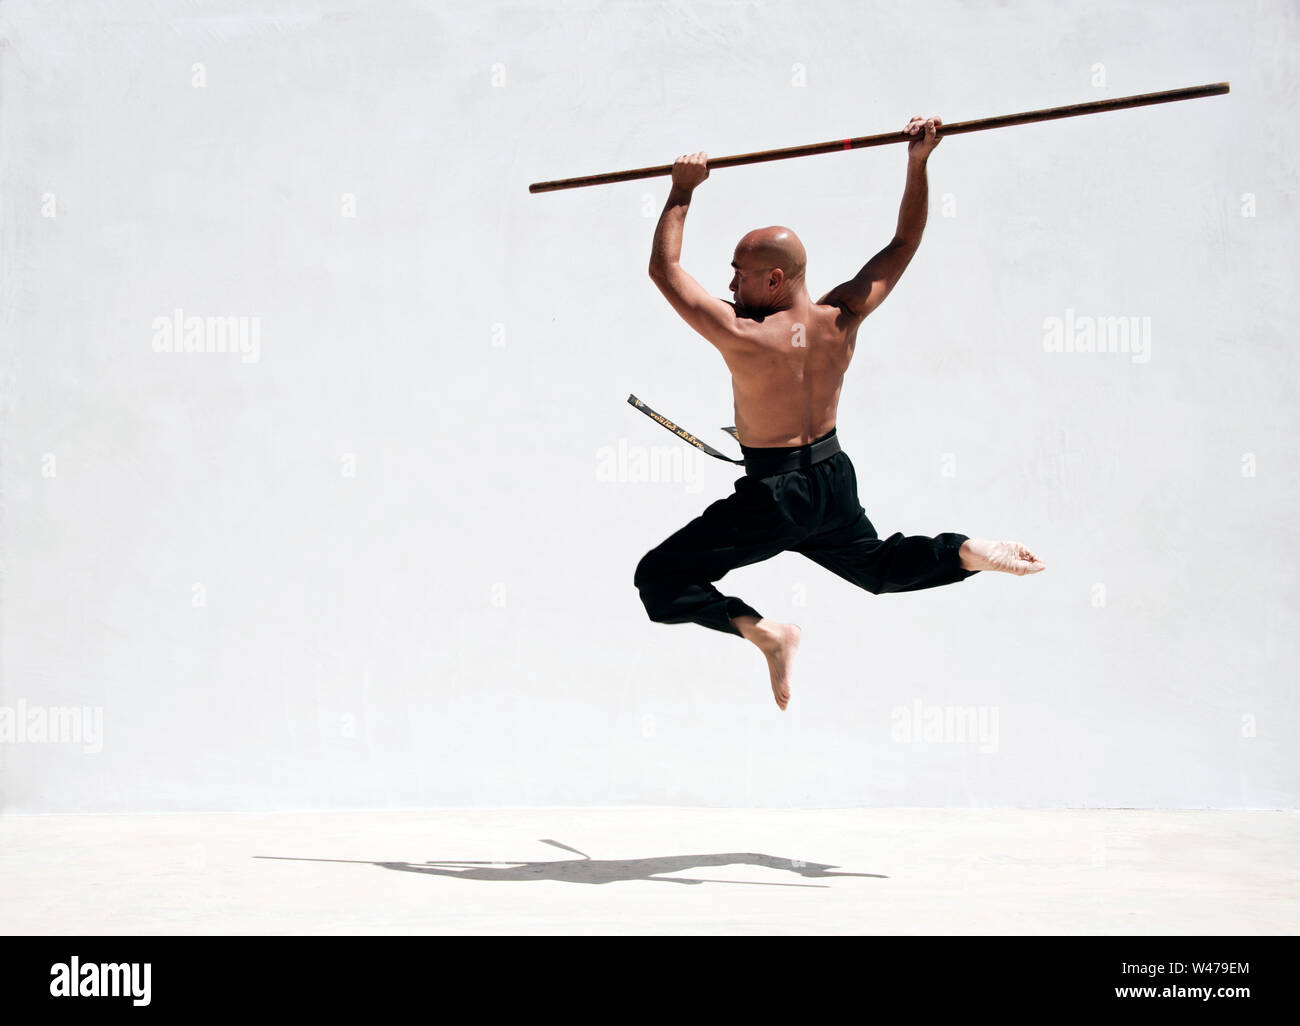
pixel 600 871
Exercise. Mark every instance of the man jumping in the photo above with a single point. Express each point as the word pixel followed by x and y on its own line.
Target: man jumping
pixel 787 356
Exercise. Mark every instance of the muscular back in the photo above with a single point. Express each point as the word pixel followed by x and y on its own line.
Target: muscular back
pixel 786 373
pixel 786 367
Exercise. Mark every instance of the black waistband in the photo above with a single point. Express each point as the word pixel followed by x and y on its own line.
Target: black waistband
pixel 764 462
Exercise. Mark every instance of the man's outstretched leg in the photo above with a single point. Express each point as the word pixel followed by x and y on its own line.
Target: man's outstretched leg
pixel 913 563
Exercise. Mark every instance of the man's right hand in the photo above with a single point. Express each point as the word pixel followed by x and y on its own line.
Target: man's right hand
pixel 927 138
pixel 690 170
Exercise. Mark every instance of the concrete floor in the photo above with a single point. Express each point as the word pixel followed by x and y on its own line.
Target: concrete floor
pixel 729 871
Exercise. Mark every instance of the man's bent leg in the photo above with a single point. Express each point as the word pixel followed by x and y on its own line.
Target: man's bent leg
pixel 676 578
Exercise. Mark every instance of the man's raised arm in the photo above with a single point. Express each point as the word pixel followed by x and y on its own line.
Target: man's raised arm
pixel 711 317
pixel 869 287
pixel 666 250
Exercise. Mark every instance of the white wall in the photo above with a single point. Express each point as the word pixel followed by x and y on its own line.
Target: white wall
pixel 185 554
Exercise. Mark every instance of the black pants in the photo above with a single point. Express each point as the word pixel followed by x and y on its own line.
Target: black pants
pixel 813 511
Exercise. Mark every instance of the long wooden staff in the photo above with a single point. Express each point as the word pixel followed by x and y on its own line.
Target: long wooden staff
pixel 1074 110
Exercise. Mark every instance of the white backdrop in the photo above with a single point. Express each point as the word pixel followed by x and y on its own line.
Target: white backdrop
pixel 382 555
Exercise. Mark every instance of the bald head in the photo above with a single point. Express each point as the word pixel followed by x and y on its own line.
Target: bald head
pixel 773 247
pixel 769 267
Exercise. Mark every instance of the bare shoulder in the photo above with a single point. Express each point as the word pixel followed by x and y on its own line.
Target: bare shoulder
pixel 840 324
pixel 739 333
pixel 837 304
pixel 745 326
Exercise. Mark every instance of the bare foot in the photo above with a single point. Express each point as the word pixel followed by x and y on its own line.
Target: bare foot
pixel 1009 557
pixel 777 642
pixel 780 650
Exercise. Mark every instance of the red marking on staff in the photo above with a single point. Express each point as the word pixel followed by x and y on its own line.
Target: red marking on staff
pixel 846 144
